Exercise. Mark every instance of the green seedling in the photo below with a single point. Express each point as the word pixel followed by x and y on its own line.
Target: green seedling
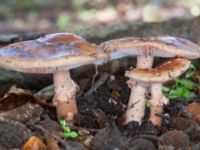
pixel 183 87
pixel 67 131
pixel 148 104
pixel 148 97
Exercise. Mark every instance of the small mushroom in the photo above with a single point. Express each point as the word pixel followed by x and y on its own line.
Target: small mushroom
pixel 57 54
pixel 155 78
pixel 146 49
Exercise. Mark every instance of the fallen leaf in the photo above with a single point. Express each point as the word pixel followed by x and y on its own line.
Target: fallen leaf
pixel 52 144
pixel 14 89
pixel 17 97
pixel 12 101
pixel 194 109
pixel 28 113
pixel 34 143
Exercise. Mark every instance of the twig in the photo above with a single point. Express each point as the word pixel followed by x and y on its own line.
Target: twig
pixel 96 85
pixel 95 75
pixel 76 128
pixel 61 141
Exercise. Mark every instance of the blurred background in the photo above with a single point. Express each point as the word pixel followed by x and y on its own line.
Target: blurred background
pixel 71 15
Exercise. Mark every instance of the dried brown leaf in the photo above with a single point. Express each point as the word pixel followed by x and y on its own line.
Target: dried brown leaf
pixel 34 143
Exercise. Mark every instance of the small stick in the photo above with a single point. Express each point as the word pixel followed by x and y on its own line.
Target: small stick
pixel 76 128
pixel 96 85
pixel 95 75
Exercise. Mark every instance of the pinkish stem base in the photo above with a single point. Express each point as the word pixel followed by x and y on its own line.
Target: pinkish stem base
pixel 136 105
pixel 65 92
pixel 156 109
pixel 155 113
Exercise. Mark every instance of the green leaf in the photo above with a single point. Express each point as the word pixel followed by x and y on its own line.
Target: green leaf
pixel 62 123
pixel 67 129
pixel 190 71
pixel 148 105
pixel 192 67
pixel 187 84
pixel 183 87
pixel 66 134
pixel 64 126
pixel 172 96
pixel 189 74
pixel 71 135
pixel 165 89
pixel 187 94
pixel 178 91
pixel 177 82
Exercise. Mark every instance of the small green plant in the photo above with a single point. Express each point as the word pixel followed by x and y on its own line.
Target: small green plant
pixel 183 87
pixel 67 131
pixel 148 104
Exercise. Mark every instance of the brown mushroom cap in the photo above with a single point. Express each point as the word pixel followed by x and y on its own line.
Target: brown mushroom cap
pixel 160 46
pixel 48 56
pixel 60 38
pixel 165 72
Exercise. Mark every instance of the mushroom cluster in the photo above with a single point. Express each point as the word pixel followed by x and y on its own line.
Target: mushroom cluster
pixel 145 49
pixel 155 78
pixel 58 53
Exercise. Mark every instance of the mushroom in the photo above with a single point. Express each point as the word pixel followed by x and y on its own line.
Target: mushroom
pixel 60 38
pixel 57 54
pixel 146 49
pixel 155 78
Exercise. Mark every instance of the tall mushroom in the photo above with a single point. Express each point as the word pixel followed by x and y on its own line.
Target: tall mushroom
pixel 57 54
pixel 155 78
pixel 146 49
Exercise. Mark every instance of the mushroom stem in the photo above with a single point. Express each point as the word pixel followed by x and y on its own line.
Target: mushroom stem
pixel 144 62
pixel 156 104
pixel 137 97
pixel 65 92
pixel 136 105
